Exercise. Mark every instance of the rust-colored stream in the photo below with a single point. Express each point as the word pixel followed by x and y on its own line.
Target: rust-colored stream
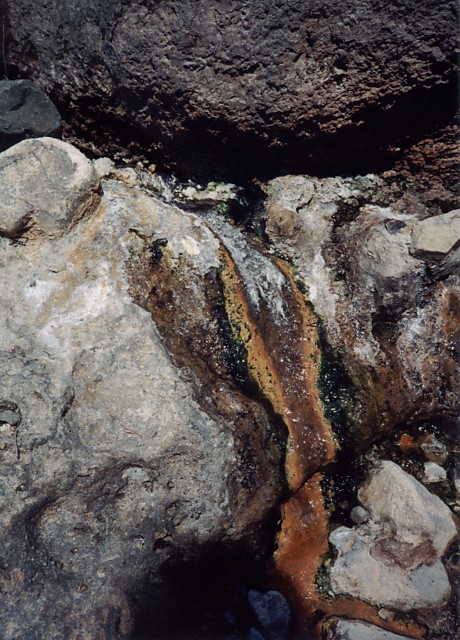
pixel 283 358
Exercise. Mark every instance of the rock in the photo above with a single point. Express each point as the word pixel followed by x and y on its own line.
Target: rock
pixel 434 450
pixel 46 188
pixel 386 315
pixel 359 515
pixel 343 629
pixel 124 459
pixel 434 473
pixel 272 613
pixel 392 494
pixel 25 112
pixel 245 88
pixel 254 635
pixel 435 237
pixel 394 559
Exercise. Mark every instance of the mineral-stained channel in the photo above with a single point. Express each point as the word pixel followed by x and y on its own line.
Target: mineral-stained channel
pixel 229 321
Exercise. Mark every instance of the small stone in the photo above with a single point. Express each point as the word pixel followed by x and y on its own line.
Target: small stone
pixel 385 614
pixel 272 612
pixel 435 237
pixel 254 635
pixel 434 450
pixel 104 167
pixel 25 112
pixel 403 571
pixel 434 473
pixel 344 629
pixel 359 515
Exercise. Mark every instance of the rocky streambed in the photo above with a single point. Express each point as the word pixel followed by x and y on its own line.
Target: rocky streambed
pixel 230 321
pixel 213 432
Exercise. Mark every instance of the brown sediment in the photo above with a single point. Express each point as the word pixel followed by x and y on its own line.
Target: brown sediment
pixel 284 362
pixel 301 556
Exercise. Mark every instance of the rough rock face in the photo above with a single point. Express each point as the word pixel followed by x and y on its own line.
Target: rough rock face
pixel 382 273
pixel 117 464
pixel 25 112
pixel 394 559
pixel 243 85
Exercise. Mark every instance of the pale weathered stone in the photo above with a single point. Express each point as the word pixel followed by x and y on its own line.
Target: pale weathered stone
pixel 433 473
pixel 46 187
pixel 435 237
pixel 392 495
pixel 115 460
pixel 393 560
pixel 345 629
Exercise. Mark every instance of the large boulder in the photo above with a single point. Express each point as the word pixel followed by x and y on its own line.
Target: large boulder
pixel 243 85
pixel 125 455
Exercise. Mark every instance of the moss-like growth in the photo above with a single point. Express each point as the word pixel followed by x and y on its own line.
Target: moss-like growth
pixel 334 385
pixel 235 352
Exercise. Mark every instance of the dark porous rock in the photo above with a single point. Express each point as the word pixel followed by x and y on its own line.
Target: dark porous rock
pixel 272 612
pixel 25 112
pixel 243 86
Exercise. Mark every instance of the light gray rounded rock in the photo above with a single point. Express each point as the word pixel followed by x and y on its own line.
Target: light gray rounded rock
pixel 347 629
pixel 46 187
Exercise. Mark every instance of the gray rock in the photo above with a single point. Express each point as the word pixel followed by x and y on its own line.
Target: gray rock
pixel 272 612
pixel 359 515
pixel 435 237
pixel 344 629
pixel 433 473
pixel 391 494
pixel 353 257
pixel 394 560
pixel 246 83
pixel 25 112
pixel 434 450
pixel 123 462
pixel 46 187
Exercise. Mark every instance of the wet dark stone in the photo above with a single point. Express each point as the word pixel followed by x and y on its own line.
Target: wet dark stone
pixel 272 612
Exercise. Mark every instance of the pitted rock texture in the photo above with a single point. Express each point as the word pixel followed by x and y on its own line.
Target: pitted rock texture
pixel 394 558
pixel 25 112
pixel 243 85
pixel 115 461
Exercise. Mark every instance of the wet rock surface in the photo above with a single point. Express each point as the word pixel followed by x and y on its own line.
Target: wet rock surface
pixel 114 471
pixel 242 87
pixel 25 112
pixel 181 375
pixel 390 315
